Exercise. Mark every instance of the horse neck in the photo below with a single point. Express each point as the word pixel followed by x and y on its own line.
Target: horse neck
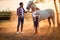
pixel 35 9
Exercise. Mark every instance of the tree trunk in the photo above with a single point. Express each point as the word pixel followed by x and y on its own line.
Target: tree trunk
pixel 56 12
pixel 37 1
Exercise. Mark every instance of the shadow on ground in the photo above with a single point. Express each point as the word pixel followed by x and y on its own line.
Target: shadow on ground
pixel 8 32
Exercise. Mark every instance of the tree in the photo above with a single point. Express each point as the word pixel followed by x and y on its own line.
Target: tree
pixel 56 12
pixel 59 1
pixel 37 1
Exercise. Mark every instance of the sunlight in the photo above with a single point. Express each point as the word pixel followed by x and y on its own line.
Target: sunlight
pixel 14 4
pixel 11 4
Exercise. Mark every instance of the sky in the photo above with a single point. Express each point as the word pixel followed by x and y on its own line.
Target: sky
pixel 14 4
pixel 11 4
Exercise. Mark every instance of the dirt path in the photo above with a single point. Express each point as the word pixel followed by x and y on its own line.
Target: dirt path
pixel 8 31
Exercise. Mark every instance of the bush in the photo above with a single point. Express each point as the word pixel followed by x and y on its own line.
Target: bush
pixel 5 15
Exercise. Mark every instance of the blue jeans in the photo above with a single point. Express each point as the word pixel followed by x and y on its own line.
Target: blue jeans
pixel 35 23
pixel 20 22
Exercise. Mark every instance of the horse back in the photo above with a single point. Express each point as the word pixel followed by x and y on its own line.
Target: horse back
pixel 44 14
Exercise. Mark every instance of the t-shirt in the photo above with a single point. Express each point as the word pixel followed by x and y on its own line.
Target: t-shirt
pixel 21 11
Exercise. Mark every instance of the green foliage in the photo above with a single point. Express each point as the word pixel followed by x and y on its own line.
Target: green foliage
pixel 5 15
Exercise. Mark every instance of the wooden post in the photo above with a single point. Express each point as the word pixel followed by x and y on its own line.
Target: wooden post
pixel 56 12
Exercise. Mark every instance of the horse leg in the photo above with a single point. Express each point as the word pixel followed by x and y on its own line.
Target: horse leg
pixel 49 22
pixel 53 20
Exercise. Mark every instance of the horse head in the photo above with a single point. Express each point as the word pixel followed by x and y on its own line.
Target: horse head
pixel 30 5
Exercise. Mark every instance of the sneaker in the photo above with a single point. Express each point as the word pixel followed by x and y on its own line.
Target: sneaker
pixel 22 32
pixel 17 32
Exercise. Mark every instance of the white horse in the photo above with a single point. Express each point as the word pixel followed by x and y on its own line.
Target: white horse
pixel 41 14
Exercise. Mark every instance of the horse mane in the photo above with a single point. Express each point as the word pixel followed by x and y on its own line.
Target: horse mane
pixel 37 8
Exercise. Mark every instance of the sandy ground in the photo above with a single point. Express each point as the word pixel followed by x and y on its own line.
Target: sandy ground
pixel 8 31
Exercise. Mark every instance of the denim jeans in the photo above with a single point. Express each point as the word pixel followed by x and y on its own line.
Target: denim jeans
pixel 20 22
pixel 35 20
